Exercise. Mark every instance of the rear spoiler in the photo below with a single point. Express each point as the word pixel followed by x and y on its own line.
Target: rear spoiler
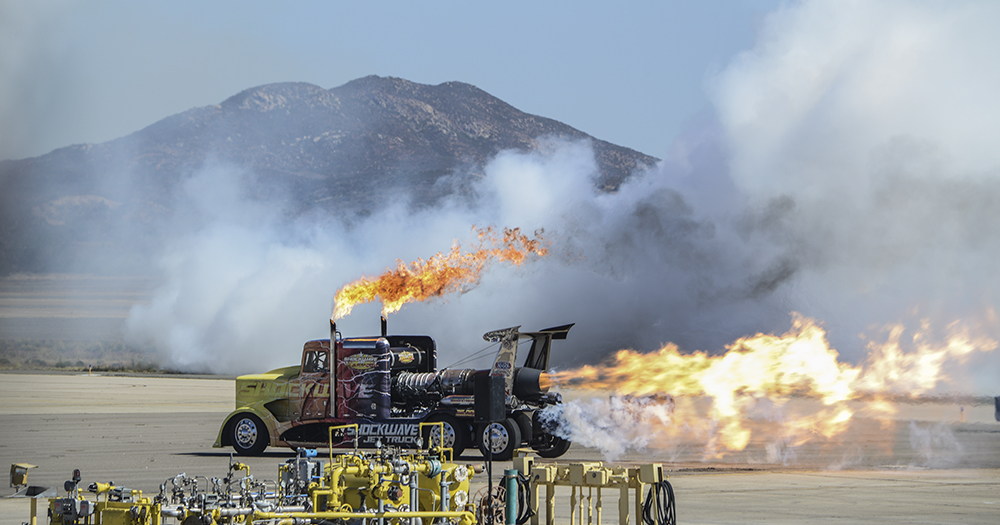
pixel 541 345
pixel 538 356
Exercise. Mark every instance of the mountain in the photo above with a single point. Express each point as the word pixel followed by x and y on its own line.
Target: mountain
pixel 336 149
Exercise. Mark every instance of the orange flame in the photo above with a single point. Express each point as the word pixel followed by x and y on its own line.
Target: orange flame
pixel 799 363
pixel 441 274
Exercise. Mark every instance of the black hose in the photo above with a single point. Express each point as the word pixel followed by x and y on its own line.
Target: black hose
pixel 524 510
pixel 666 513
pixel 489 482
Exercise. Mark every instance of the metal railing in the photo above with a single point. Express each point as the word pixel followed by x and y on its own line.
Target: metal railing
pixel 586 481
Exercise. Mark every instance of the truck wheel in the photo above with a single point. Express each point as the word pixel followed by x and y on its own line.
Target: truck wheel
pixel 248 435
pixel 554 447
pixel 502 438
pixel 456 433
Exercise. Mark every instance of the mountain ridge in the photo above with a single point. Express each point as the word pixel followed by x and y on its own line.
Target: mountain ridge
pixel 327 148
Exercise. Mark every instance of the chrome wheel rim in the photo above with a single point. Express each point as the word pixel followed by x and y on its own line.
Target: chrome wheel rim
pixel 449 435
pixel 496 437
pixel 246 433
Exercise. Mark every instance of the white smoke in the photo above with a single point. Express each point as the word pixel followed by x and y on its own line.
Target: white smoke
pixel 245 285
pixel 935 445
pixel 616 425
pixel 861 166
pixel 848 176
pixel 871 123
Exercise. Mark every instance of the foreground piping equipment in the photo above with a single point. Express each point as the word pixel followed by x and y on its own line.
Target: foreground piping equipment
pixel 387 485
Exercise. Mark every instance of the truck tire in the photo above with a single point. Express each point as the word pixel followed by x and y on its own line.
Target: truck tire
pixel 456 433
pixel 502 437
pixel 248 435
pixel 554 447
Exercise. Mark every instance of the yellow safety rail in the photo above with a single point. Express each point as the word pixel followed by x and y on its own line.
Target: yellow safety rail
pixel 440 425
pixel 590 476
pixel 352 425
pixel 464 517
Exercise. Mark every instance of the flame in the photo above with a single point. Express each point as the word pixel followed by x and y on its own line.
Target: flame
pixel 761 373
pixel 442 273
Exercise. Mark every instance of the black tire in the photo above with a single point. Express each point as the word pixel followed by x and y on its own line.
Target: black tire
pixel 456 433
pixel 523 420
pixel 248 435
pixel 554 447
pixel 503 438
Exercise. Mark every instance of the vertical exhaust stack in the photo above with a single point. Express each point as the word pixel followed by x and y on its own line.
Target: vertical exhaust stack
pixel 331 360
pixel 385 327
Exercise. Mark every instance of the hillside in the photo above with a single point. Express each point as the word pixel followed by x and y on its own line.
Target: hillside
pixel 335 150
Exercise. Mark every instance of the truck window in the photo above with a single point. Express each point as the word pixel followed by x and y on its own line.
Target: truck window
pixel 315 362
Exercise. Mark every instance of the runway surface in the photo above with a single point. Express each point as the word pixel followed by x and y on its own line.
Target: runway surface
pixel 928 466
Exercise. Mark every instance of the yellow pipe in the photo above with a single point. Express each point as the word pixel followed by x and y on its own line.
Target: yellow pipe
pixel 337 472
pixel 331 429
pixel 465 517
pixel 572 505
pixel 623 504
pixel 600 505
pixel 442 448
pixel 336 490
pixel 638 502
pixel 550 504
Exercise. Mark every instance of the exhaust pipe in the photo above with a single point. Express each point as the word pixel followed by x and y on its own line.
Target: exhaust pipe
pixel 384 327
pixel 332 409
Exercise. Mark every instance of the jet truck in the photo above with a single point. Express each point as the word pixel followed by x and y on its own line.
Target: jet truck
pixel 388 385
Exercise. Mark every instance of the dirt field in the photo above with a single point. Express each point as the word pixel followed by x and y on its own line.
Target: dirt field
pixel 139 431
pixel 68 307
pixel 70 321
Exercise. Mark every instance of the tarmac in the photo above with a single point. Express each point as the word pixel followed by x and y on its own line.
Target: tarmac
pixel 139 431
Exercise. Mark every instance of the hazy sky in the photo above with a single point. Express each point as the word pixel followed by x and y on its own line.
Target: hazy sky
pixel 835 158
pixel 77 72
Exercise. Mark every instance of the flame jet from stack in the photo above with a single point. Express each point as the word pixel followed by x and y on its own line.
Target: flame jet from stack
pixel 441 274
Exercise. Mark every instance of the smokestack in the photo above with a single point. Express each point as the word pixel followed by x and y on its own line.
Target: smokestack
pixel 385 328
pixel 331 360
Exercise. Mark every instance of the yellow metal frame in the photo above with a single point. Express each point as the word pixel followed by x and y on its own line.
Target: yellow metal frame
pixel 465 517
pixel 590 476
pixel 442 448
pixel 337 427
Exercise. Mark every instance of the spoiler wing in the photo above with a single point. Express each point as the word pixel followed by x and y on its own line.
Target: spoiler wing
pixel 538 356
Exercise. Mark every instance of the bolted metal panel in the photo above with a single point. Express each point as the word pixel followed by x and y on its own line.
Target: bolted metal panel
pixel 490 404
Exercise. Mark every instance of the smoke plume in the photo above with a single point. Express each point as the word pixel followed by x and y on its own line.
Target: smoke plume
pixel 846 173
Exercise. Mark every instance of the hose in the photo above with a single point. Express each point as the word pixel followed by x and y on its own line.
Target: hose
pixel 666 513
pixel 524 510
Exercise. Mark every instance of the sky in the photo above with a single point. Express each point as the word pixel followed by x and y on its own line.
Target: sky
pixel 632 74
pixel 829 159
